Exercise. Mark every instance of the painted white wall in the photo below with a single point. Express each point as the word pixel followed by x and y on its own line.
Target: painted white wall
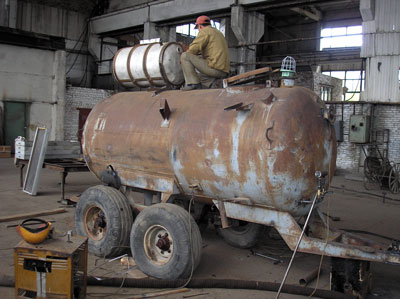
pixel 36 77
pixel 60 22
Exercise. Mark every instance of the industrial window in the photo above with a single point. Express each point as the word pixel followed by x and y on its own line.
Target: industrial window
pixel 340 37
pixel 353 83
pixel 188 29
pixel 326 93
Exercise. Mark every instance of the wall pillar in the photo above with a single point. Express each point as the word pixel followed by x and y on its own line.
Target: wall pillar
pixel 166 34
pixel 8 13
pixel 248 27
pixel 150 30
pixel 58 95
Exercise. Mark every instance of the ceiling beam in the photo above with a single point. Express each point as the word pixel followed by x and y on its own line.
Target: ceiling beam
pixel 315 14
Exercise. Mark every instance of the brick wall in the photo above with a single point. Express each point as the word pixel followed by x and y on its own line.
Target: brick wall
pixel 78 97
pixel 314 81
pixel 350 157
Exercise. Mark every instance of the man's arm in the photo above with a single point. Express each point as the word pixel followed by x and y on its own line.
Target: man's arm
pixel 199 43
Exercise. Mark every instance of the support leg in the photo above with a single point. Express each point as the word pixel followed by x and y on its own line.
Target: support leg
pixel 148 198
pixel 21 175
pixel 63 176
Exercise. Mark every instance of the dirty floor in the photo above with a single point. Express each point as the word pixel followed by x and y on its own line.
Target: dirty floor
pixel 357 208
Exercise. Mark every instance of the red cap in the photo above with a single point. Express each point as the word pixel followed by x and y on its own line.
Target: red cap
pixel 202 20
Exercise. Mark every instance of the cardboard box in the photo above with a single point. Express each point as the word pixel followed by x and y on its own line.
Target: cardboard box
pixel 5 151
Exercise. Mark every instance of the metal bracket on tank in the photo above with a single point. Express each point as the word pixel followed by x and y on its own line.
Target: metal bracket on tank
pixel 267 135
pixel 110 177
pixel 240 107
pixel 165 112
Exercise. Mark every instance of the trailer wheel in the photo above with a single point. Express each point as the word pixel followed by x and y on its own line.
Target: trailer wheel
pixel 242 235
pixel 105 217
pixel 160 242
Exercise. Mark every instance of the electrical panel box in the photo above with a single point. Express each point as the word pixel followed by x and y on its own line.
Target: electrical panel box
pixel 56 268
pixel 359 128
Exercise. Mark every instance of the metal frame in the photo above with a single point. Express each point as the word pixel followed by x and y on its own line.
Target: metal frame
pixel 335 244
pixel 36 161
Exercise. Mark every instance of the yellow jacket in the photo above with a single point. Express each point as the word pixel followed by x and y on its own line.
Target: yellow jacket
pixel 211 44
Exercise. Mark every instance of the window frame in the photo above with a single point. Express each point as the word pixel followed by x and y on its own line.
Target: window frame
pixel 338 36
pixel 359 86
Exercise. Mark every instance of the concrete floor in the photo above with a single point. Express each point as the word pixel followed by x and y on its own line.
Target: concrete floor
pixel 356 211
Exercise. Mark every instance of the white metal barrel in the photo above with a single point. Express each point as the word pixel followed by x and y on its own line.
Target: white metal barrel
pixel 148 65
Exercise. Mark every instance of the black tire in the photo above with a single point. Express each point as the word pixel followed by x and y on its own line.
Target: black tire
pixel 243 235
pixel 169 224
pixel 104 216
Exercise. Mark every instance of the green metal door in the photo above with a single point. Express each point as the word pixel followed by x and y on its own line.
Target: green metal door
pixel 14 121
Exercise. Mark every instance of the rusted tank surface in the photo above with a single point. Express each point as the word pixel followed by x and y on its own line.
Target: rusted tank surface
pixel 265 149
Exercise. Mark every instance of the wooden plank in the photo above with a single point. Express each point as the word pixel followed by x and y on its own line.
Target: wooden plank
pixel 5 151
pixel 32 214
pixel 246 75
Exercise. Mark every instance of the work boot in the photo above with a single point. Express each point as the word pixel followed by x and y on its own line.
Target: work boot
pixel 191 87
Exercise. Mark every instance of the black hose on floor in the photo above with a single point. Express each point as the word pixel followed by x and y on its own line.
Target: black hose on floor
pixel 148 283
pixel 217 283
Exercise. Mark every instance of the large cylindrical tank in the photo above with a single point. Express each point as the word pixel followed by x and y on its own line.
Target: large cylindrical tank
pixel 146 65
pixel 266 150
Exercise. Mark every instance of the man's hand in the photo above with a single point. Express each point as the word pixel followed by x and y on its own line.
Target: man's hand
pixel 184 46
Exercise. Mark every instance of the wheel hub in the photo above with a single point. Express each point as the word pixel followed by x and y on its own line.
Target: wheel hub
pixel 95 223
pixel 158 245
pixel 163 242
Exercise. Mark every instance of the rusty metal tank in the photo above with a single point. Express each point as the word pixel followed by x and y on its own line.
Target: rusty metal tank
pixel 146 65
pixel 255 144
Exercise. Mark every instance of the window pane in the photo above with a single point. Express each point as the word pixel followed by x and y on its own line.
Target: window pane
pixel 186 29
pixel 354 41
pixel 325 43
pixel 339 75
pixel 354 29
pixel 337 42
pixel 338 37
pixel 339 31
pixel 353 85
pixel 192 30
pixel 352 96
pixel 326 32
pixel 179 29
pixel 353 75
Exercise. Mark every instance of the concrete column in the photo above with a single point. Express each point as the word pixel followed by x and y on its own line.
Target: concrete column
pixel 103 52
pixel 8 13
pixel 166 34
pixel 58 96
pixel 150 31
pixel 4 12
pixel 12 16
pixel 248 27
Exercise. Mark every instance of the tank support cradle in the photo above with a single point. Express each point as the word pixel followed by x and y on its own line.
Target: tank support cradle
pixel 336 243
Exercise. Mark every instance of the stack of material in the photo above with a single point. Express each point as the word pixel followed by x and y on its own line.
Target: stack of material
pixel 55 149
pixel 5 151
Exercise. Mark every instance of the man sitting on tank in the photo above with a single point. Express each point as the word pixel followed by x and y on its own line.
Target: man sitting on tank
pixel 208 55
